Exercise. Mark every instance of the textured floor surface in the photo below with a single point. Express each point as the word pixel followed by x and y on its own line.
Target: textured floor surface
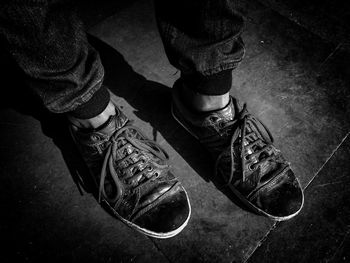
pixel 296 83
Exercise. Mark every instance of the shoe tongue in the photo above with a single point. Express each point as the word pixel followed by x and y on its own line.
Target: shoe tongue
pixel 201 119
pixel 227 113
pixel 223 115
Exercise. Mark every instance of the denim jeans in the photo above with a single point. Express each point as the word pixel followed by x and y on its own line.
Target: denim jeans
pixel 48 42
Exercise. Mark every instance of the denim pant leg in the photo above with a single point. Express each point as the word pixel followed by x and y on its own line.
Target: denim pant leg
pixel 201 38
pixel 48 42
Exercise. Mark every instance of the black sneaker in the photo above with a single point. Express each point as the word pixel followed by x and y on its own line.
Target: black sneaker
pixel 251 168
pixel 133 177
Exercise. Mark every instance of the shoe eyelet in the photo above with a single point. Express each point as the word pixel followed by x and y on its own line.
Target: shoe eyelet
pixel 251 167
pixel 221 124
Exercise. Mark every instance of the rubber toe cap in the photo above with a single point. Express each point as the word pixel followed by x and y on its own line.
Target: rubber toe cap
pixel 171 215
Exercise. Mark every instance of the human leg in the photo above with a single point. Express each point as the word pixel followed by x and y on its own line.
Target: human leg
pixel 132 175
pixel 47 41
pixel 202 39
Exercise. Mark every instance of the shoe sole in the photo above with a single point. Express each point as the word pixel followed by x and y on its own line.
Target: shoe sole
pixel 236 192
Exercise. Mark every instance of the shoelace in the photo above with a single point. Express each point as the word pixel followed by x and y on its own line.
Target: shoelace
pixel 244 118
pixel 139 148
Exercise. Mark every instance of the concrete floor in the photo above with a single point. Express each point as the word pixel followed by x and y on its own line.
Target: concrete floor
pixel 327 19
pixel 296 83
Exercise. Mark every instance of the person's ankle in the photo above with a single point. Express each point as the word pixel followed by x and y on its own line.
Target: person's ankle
pixel 202 102
pixel 96 121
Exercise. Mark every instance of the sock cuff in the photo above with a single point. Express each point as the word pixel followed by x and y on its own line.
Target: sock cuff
pixel 216 84
pixel 93 107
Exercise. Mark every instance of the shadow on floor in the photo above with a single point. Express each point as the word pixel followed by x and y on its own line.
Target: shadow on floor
pixel 151 101
pixel 20 98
